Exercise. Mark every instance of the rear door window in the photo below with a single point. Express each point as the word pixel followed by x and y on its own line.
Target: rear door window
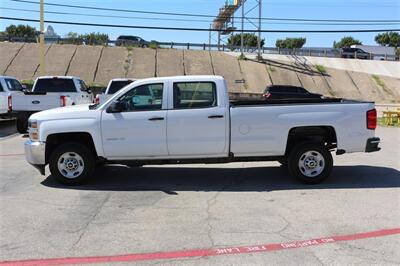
pixel 55 85
pixel 13 85
pixel 194 95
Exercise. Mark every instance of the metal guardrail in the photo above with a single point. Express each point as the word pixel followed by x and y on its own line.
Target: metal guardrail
pixel 319 52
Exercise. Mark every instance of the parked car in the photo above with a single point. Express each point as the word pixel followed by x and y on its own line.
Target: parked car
pixel 125 40
pixel 191 120
pixel 113 86
pixel 48 92
pixel 288 92
pixel 8 86
pixel 354 53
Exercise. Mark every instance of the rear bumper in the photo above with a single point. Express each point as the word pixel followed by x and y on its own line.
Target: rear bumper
pixel 35 154
pixel 372 145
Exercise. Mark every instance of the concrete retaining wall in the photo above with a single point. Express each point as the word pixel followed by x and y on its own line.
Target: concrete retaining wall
pixel 26 62
pixel 112 64
pixel 197 63
pixel 8 51
pixel 84 62
pixel 142 63
pixel 57 60
pixel 170 63
pixel 100 64
pixel 228 67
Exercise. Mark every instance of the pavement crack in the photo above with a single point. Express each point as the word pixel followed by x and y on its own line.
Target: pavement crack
pixel 90 220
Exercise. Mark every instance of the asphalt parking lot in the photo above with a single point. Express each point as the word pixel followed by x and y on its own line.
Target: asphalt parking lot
pixel 207 209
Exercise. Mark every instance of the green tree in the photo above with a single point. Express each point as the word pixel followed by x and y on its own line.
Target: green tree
pixel 249 40
pixel 73 38
pixel 290 43
pixel 388 39
pixel 346 42
pixel 21 31
pixel 94 38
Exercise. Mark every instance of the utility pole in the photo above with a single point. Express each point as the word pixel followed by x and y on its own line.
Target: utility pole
pixel 259 29
pixel 209 39
pixel 241 34
pixel 41 40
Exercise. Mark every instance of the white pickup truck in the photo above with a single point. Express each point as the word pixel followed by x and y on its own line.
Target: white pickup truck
pixel 48 92
pixel 8 86
pixel 113 86
pixel 191 120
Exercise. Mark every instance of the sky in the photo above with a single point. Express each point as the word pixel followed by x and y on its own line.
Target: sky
pixel 305 9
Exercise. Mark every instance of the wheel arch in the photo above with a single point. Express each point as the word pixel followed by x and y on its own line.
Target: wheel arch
pixel 323 134
pixel 56 139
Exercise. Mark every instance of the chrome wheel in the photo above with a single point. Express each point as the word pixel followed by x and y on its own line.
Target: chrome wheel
pixel 71 165
pixel 311 163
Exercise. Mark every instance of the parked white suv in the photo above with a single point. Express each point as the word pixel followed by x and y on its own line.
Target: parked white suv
pixel 190 119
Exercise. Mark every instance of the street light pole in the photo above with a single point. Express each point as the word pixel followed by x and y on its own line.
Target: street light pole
pixel 241 34
pixel 41 40
pixel 259 29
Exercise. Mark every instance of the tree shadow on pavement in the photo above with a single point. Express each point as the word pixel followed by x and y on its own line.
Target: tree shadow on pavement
pixel 259 179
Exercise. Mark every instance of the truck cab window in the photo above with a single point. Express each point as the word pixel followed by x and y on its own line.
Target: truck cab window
pixel 194 95
pixel 54 85
pixel 143 98
pixel 13 85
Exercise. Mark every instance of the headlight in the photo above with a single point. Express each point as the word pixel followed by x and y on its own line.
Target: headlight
pixel 33 130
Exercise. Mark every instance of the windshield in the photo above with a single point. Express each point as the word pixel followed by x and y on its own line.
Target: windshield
pixel 117 85
pixel 55 85
pixel 13 85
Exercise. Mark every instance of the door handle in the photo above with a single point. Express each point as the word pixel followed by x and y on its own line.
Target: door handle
pixel 215 116
pixel 156 118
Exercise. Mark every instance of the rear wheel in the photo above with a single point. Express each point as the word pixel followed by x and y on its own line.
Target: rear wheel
pixel 71 163
pixel 310 162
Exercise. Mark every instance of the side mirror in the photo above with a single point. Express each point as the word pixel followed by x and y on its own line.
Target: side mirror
pixel 24 88
pixel 116 107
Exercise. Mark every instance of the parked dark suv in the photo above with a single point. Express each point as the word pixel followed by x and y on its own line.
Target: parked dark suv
pixel 125 40
pixel 288 92
pixel 354 53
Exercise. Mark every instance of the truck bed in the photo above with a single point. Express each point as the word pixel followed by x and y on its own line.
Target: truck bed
pixel 246 102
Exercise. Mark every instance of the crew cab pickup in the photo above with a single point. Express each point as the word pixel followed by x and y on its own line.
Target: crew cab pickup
pixel 48 92
pixel 8 86
pixel 113 86
pixel 190 119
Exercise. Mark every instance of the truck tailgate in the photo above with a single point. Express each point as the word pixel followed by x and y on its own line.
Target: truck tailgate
pixel 22 102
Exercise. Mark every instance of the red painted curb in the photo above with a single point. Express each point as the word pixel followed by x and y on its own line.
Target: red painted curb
pixel 202 252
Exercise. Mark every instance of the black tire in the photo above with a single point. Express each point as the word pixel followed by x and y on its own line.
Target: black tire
pixel 283 162
pixel 22 125
pixel 76 150
pixel 317 169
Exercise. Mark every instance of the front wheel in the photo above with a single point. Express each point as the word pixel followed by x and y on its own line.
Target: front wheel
pixel 310 162
pixel 71 163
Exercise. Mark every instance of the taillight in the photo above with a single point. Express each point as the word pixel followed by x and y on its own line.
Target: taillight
pixel 371 119
pixel 97 101
pixel 9 103
pixel 63 101
pixel 267 95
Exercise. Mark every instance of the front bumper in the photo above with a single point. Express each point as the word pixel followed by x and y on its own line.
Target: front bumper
pixel 35 154
pixel 372 145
